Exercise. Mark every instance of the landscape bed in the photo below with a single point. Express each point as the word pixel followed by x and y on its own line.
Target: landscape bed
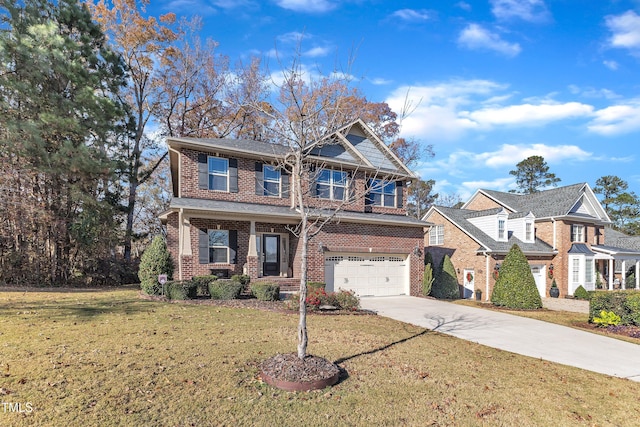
pixel 113 358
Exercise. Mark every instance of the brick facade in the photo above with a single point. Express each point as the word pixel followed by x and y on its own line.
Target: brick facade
pixel 343 236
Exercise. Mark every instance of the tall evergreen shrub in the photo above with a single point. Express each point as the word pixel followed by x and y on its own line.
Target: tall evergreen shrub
pixel 155 260
pixel 516 287
pixel 445 285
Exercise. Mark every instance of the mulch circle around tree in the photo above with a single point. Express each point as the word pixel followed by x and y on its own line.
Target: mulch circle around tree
pixel 290 373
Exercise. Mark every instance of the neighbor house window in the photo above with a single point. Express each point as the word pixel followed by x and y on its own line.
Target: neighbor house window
pixel 218 174
pixel 577 233
pixel 219 246
pixel 501 229
pixel 528 231
pixel 575 270
pixel 436 235
pixel 271 181
pixel 382 193
pixel 331 184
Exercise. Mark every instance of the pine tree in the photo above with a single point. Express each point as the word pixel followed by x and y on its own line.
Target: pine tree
pixel 58 109
pixel 515 286
pixel 445 285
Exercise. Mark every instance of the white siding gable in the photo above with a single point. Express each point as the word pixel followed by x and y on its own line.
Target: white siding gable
pixel 489 224
pixel 518 227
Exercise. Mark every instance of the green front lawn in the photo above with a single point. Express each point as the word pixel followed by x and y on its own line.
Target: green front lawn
pixel 111 358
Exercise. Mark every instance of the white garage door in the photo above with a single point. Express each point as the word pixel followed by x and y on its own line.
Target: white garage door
pixel 367 274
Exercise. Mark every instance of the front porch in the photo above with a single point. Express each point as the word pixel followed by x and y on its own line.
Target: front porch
pixel 612 265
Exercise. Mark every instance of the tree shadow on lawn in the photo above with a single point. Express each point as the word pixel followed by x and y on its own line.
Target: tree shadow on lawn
pixel 82 311
pixel 441 322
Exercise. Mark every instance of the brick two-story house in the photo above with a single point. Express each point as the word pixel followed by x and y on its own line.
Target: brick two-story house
pixel 564 232
pixel 233 211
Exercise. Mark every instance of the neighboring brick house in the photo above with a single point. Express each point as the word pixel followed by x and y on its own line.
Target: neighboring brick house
pixel 232 212
pixel 564 232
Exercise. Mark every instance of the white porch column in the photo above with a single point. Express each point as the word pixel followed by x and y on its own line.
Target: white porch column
pixel 253 249
pixel 637 274
pixel 623 279
pixel 610 280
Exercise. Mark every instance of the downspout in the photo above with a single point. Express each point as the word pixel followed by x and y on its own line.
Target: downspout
pixel 180 241
pixel 553 220
pixel 486 273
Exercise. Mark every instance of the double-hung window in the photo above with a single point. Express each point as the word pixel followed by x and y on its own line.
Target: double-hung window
pixel 271 181
pixel 331 184
pixel 528 231
pixel 501 229
pixel 219 246
pixel 218 173
pixel 383 193
pixel 577 233
pixel 436 235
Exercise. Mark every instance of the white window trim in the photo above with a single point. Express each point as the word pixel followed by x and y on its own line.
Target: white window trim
pixel 505 233
pixel 574 233
pixel 226 175
pixel 377 187
pixel 264 180
pixel 332 185
pixel 226 247
pixel 531 238
pixel 436 235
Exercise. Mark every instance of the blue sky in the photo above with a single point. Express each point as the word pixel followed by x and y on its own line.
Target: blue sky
pixel 491 81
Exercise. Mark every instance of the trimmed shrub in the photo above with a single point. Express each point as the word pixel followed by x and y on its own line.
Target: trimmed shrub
pixel 445 286
pixel 181 290
pixel 155 260
pixel 581 293
pixel 244 279
pixel 625 304
pixel 315 285
pixel 347 300
pixel 202 283
pixel 427 279
pixel 515 286
pixel 266 291
pixel 292 302
pixel 225 289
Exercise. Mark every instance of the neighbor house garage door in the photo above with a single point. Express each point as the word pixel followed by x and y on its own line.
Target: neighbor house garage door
pixel 367 274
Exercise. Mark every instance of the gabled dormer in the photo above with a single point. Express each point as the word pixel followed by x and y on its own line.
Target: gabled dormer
pixel 502 230
pixel 523 227
pixel 494 222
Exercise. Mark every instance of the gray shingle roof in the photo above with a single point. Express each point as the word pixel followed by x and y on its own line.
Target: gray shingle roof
pixel 614 238
pixel 240 145
pixel 460 217
pixel 262 211
pixel 553 202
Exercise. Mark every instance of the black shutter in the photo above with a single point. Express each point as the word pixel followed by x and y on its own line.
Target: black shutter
pixel 233 175
pixel 203 246
pixel 284 178
pixel 203 172
pixel 233 246
pixel 399 194
pixel 259 179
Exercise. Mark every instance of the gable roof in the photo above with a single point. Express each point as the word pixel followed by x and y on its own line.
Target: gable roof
pixel 576 200
pixel 459 218
pixel 357 143
pixel 353 145
pixel 620 240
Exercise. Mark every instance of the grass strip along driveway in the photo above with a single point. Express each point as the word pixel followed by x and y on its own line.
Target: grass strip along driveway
pixel 111 358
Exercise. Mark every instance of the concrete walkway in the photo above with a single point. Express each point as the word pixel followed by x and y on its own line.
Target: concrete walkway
pixel 516 334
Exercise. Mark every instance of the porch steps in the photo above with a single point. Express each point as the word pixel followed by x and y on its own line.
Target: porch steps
pixel 287 284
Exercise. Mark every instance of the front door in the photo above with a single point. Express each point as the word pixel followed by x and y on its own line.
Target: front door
pixel 271 253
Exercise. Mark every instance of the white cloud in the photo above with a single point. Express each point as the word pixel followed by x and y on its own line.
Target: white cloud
pixel 617 119
pixel 434 108
pixel 625 29
pixel 293 37
pixel 379 81
pixel 475 37
pixel 317 52
pixel 464 6
pixel 526 10
pixel 510 154
pixel 498 184
pixel 612 65
pixel 308 6
pixel 590 92
pixel 411 15
pixel 526 114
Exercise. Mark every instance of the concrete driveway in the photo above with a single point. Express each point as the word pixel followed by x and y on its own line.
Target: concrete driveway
pixel 516 334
